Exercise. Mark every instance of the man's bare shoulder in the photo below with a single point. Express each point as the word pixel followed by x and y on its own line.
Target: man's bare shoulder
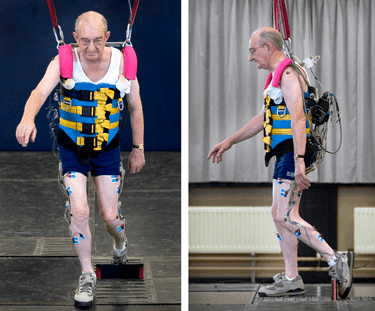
pixel 291 78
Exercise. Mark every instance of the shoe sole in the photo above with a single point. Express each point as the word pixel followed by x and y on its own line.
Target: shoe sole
pixel 83 303
pixel 351 256
pixel 287 294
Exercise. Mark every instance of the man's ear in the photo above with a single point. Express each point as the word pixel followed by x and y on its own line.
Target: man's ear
pixel 75 35
pixel 108 33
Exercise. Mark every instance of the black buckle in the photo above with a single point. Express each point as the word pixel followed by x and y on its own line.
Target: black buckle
pixel 90 142
pixel 88 111
pixel 88 128
pixel 86 96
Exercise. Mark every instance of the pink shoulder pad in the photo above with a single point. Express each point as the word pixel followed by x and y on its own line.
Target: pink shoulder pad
pixel 66 61
pixel 130 64
pixel 279 71
pixel 269 78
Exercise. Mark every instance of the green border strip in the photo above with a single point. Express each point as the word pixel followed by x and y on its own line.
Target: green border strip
pixel 184 192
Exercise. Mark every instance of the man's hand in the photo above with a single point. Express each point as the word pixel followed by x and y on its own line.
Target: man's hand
pixel 25 133
pixel 217 152
pixel 136 160
pixel 302 181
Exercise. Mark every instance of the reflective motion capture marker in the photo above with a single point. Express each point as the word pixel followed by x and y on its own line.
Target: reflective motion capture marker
pixel 76 238
pixel 278 236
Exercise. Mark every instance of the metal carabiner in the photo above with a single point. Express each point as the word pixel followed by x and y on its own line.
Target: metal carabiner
pixel 61 41
pixel 283 114
pixel 65 102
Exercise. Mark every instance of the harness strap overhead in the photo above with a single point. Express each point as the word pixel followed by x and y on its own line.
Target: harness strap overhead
pixel 281 18
pixel 52 12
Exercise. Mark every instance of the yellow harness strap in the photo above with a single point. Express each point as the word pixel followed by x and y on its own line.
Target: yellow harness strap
pixel 101 122
pixel 269 131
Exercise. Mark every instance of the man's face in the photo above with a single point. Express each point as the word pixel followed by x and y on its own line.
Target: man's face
pixel 91 38
pixel 258 53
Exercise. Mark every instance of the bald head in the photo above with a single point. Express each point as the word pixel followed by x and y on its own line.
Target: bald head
pixel 91 35
pixel 269 35
pixel 91 18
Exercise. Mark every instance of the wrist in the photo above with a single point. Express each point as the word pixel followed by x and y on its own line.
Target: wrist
pixel 230 141
pixel 138 147
pixel 299 157
pixel 27 120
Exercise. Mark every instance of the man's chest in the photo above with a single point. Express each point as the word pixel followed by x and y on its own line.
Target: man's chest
pixel 95 72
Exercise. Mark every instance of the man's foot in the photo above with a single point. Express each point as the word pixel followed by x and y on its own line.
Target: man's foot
pixel 342 273
pixel 85 290
pixel 283 287
pixel 119 255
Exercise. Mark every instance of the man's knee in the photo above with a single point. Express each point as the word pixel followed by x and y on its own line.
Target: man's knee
pixel 283 198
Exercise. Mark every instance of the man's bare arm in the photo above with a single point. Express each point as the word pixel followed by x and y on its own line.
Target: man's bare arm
pixel 41 92
pixel 136 113
pixel 253 127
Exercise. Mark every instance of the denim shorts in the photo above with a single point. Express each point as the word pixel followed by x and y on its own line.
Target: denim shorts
pixel 106 163
pixel 284 166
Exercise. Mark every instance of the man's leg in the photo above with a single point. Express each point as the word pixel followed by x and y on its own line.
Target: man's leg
pixel 294 227
pixel 287 240
pixel 107 188
pixel 75 184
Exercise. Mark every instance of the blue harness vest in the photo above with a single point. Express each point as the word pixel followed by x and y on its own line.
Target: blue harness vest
pixel 90 114
pixel 277 133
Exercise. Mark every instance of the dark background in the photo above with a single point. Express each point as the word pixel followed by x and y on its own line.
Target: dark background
pixel 27 45
pixel 33 199
pixel 226 90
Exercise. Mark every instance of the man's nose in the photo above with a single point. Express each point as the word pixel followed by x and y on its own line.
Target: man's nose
pixel 92 46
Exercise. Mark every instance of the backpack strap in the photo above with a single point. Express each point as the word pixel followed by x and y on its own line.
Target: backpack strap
pixel 130 63
pixel 66 61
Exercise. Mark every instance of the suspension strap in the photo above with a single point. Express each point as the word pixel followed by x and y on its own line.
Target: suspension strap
pixel 59 35
pixel 284 30
pixel 133 12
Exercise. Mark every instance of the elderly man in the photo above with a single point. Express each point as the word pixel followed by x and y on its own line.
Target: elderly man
pixel 88 136
pixel 284 110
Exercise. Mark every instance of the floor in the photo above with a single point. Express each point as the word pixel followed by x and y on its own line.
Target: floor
pixel 40 271
pixel 235 294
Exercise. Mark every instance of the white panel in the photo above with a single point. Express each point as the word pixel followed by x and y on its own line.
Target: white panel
pixel 364 230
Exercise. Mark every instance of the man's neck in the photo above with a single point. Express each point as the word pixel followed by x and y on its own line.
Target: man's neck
pixel 276 59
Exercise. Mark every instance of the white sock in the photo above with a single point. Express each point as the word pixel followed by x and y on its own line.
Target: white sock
pixel 332 262
pixel 119 251
pixel 288 278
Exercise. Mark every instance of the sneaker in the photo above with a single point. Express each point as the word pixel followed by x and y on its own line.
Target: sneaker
pixel 84 295
pixel 342 271
pixel 283 287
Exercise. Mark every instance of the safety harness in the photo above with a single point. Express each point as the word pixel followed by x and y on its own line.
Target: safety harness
pixel 89 112
pixel 277 134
